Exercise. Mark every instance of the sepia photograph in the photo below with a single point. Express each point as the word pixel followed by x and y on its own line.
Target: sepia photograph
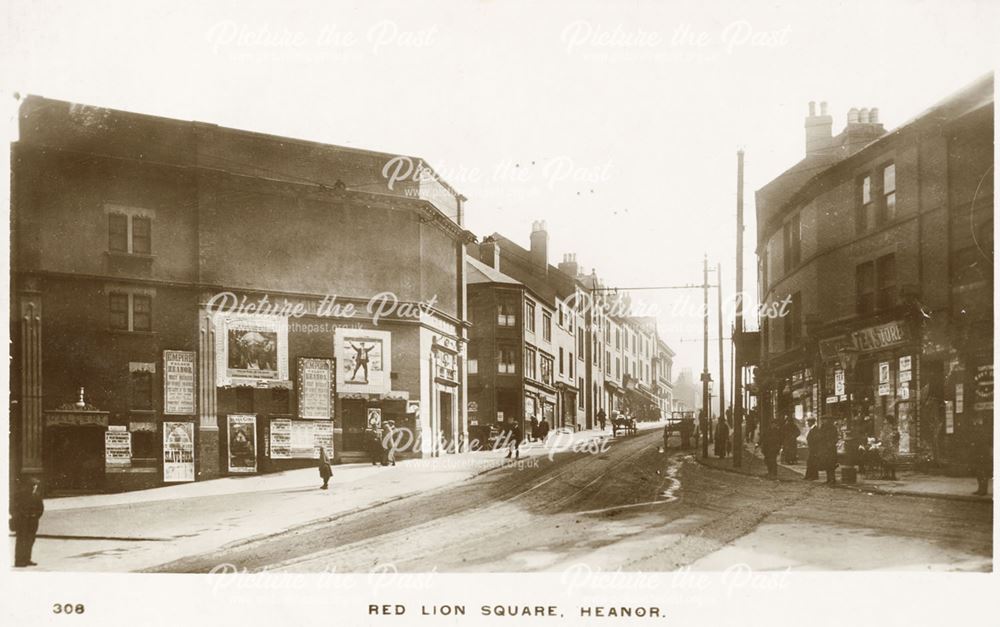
pixel 491 311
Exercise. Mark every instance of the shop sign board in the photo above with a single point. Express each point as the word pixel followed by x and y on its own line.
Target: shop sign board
pixel 242 437
pixel 905 375
pixel 838 382
pixel 178 451
pixel 949 417
pixel 883 372
pixel 904 392
pixel 905 363
pixel 884 389
pixel 984 387
pixel 178 383
pixel 959 398
pixel 879 337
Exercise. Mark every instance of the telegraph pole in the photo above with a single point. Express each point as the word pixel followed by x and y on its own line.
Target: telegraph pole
pixel 722 359
pixel 706 402
pixel 738 328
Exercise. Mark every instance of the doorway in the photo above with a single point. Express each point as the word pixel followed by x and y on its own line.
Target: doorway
pixel 447 426
pixel 74 457
pixel 355 421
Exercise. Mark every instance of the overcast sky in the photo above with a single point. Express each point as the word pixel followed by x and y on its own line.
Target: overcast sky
pixel 616 122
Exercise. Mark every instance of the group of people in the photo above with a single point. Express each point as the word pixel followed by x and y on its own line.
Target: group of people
pixel 382 440
pixel 782 438
pixel 539 430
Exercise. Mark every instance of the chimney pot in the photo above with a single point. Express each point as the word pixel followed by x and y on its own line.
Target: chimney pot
pixel 812 108
pixel 852 115
pixel 873 115
pixel 822 108
pixel 863 115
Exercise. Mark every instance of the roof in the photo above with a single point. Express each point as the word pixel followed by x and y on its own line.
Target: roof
pixel 479 272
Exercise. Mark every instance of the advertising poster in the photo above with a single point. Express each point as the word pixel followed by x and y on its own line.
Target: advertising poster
pixel 316 388
pixel 117 447
pixel 324 437
pixel 242 437
pixel 838 382
pixel 303 440
pixel 883 372
pixel 251 349
pixel 374 418
pixel 178 451
pixel 281 439
pixel 178 383
pixel 363 361
pixel 949 417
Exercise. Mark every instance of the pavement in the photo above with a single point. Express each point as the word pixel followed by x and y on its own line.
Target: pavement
pixel 141 529
pixel 907 483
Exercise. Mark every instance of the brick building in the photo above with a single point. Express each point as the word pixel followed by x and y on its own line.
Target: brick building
pixel 196 282
pixel 877 249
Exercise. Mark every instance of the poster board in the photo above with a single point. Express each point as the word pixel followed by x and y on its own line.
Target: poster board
pixel 179 383
pixel 316 387
pixel 117 447
pixel 364 361
pixel 178 452
pixel 241 431
pixel 300 439
pixel 281 438
pixel 250 349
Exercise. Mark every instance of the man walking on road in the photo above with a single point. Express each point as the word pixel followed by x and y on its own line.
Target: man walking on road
pixel 826 446
pixel 602 419
pixel 514 436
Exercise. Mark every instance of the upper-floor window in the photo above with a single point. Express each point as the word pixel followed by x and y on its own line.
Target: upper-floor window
pixel 579 343
pixel 562 368
pixel 546 368
pixel 570 363
pixel 607 363
pixel 505 361
pixel 864 207
pixel 885 277
pixel 887 210
pixel 876 284
pixel 472 366
pixel 793 321
pixel 130 312
pixel 505 315
pixel 793 242
pixel 130 234
pixel 141 377
pixel 547 326
pixel 529 316
pixel 529 363
pixel 579 395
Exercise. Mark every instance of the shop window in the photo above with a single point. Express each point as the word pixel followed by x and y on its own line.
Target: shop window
pixel 244 400
pixel 547 327
pixel 885 272
pixel 887 210
pixel 545 365
pixel 145 445
pixel 280 401
pixel 864 280
pixel 141 387
pixel 529 363
pixel 529 316
pixel 863 209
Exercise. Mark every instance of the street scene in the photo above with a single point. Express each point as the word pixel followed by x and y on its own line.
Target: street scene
pixel 639 305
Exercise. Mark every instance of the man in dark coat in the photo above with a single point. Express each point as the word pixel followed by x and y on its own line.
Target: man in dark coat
pixel 982 455
pixel 812 472
pixel 826 445
pixel 515 435
pixel 325 472
pixel 789 441
pixel 770 446
pixel 28 508
pixel 721 438
pixel 602 419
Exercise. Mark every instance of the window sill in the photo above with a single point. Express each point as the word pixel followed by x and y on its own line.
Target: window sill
pixel 116 254
pixel 136 333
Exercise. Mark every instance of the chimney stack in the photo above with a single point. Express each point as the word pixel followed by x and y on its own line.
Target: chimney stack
pixel 540 245
pixel 863 115
pixel 819 129
pixel 852 116
pixel 489 253
pixel 569 265
pixel 873 115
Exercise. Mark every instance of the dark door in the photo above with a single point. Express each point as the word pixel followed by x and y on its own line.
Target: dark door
pixel 447 432
pixel 355 420
pixel 74 457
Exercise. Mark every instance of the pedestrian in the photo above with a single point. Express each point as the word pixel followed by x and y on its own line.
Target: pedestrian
pixel 543 429
pixel 826 445
pixel 375 449
pixel 514 440
pixel 534 429
pixel 751 425
pixel 602 419
pixel 324 468
pixel 981 454
pixel 28 508
pixel 721 438
pixel 812 441
pixel 770 446
pixel 389 439
pixel 790 441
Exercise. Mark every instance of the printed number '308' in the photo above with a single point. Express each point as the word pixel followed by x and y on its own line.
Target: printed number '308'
pixel 67 608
